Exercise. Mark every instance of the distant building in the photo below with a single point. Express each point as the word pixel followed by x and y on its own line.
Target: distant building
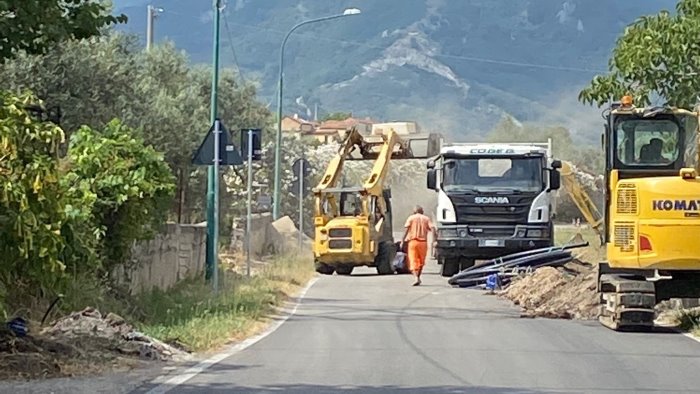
pixel 339 127
pixel 296 126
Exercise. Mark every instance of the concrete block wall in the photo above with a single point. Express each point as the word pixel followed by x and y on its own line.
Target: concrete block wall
pixel 260 234
pixel 177 253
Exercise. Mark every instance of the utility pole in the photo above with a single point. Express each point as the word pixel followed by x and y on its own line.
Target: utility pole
pixel 249 214
pixel 301 200
pixel 152 14
pixel 212 178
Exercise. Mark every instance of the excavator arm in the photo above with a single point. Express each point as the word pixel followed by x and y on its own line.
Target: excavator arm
pixel 582 200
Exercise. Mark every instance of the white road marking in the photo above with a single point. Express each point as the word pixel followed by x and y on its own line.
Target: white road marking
pixel 691 336
pixel 217 358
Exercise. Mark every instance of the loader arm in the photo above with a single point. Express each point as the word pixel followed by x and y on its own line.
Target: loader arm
pixel 582 200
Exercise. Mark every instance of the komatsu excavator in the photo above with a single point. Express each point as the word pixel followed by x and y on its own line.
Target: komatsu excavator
pixel 652 212
pixel 353 224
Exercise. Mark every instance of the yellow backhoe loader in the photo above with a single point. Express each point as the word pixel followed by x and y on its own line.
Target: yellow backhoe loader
pixel 353 223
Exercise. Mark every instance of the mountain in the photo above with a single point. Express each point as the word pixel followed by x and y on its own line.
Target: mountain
pixel 457 66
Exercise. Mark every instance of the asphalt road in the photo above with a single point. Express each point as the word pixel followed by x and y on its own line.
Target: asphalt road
pixel 371 334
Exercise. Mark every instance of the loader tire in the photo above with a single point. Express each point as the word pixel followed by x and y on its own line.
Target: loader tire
pixel 324 269
pixel 344 269
pixel 384 258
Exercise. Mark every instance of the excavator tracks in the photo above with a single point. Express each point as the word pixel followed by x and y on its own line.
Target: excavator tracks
pixel 627 302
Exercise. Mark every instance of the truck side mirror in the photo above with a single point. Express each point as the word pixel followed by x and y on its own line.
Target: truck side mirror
pixel 554 180
pixel 432 181
pixel 556 164
pixel 430 164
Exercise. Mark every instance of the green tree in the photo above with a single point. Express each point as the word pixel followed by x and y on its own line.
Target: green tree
pixel 31 202
pixel 124 187
pixel 657 56
pixel 337 116
pixel 156 93
pixel 563 145
pixel 34 27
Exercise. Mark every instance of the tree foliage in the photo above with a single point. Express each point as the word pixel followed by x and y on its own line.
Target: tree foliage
pixel 122 187
pixel 563 145
pixel 36 26
pixel 78 214
pixel 657 56
pixel 337 116
pixel 156 93
pixel 31 200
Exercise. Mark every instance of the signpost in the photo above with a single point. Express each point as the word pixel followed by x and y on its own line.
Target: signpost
pixel 215 150
pixel 250 144
pixel 301 169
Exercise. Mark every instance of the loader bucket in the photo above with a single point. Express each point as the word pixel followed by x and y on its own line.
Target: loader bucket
pixel 410 146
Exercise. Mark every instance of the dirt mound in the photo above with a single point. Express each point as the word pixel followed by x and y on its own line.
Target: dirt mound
pixel 82 343
pixel 564 293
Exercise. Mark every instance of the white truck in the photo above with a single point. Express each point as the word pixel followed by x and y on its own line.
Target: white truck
pixel 493 199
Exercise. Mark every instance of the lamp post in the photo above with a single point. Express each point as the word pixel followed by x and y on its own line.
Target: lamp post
pixel 278 135
pixel 152 14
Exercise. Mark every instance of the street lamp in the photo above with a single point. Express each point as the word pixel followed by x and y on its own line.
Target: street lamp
pixel 278 135
pixel 152 15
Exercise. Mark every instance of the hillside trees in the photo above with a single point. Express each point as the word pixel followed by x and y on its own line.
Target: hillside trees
pixel 36 26
pixel 658 56
pixel 586 158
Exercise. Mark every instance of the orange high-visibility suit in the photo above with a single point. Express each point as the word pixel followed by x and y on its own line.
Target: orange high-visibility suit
pixel 418 226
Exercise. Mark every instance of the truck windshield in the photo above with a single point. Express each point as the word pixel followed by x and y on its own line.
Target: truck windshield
pixel 493 174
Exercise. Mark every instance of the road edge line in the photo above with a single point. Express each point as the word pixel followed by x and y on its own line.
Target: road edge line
pixel 691 336
pixel 191 372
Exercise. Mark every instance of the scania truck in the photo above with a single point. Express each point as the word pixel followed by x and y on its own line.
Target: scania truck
pixel 493 199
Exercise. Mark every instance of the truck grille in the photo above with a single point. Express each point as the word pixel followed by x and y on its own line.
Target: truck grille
pixel 627 199
pixel 340 244
pixel 624 237
pixel 516 212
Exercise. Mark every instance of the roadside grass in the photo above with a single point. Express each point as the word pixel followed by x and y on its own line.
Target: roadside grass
pixel 689 321
pixel 190 314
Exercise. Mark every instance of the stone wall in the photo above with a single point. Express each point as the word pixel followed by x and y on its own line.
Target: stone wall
pixel 177 253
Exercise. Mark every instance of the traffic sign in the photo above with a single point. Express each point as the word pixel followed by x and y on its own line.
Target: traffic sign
pixel 295 188
pixel 296 168
pixel 228 154
pixel 265 200
pixel 257 144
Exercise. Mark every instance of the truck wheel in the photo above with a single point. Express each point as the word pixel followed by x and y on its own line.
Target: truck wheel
pixel 384 258
pixel 344 269
pixel 449 267
pixel 324 269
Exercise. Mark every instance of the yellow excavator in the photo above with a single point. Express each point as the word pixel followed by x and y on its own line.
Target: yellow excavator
pixel 353 223
pixel 652 212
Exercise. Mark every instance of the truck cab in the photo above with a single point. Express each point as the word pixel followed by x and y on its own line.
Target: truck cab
pixel 493 200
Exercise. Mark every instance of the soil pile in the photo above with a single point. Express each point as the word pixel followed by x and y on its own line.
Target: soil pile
pixel 82 343
pixel 563 293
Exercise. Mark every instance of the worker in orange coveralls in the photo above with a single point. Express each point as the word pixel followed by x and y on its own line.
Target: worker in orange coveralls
pixel 418 226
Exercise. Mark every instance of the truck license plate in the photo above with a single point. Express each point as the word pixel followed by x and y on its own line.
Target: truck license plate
pixel 490 243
